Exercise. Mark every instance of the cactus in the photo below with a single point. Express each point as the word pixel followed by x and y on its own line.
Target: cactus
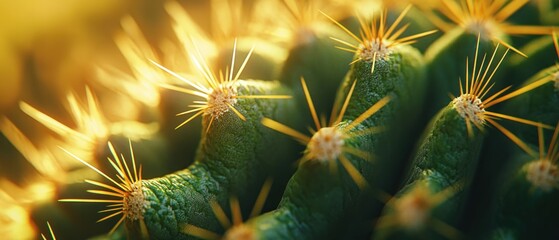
pixel 388 155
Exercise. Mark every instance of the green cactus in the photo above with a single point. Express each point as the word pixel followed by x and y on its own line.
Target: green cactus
pixel 387 156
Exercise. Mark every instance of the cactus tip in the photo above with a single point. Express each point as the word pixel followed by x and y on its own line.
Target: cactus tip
pixel 470 107
pixel 543 174
pixel 326 144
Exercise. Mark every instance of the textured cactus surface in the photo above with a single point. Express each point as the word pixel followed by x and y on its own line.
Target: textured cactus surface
pixel 280 119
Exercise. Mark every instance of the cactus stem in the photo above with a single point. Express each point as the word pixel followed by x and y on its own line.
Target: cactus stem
pixel 378 37
pixel 473 106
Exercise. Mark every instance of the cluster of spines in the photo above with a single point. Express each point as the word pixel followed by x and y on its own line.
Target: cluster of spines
pixel 327 143
pixel 378 38
pixel 124 193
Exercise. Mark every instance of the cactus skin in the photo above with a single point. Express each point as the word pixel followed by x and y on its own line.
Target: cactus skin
pixel 234 155
pixel 402 77
pixel 455 160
